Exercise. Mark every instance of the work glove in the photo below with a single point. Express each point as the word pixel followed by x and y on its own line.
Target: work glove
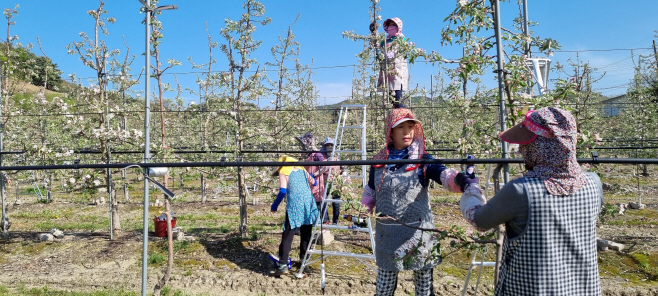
pixel 464 179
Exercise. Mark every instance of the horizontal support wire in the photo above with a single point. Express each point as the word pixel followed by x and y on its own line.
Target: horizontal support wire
pixel 604 106
pixel 301 151
pixel 315 163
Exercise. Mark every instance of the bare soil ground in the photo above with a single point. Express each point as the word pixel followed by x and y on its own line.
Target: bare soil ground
pixel 217 261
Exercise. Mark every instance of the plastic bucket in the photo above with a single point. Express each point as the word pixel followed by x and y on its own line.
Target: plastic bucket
pixel 161 226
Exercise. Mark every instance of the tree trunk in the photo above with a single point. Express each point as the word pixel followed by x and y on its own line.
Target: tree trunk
pixel 116 219
pixel 496 176
pixel 243 202
pixel 125 186
pixel 163 144
pixel 50 187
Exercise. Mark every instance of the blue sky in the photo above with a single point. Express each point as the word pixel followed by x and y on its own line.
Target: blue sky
pixel 577 25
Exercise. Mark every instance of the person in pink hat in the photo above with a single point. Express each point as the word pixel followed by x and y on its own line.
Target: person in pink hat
pixel 399 194
pixel 395 77
pixel 549 214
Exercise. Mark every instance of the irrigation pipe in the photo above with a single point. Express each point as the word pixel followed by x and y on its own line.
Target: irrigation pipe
pixel 304 151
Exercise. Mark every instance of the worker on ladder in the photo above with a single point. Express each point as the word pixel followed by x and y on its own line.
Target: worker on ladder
pixel 327 151
pixel 400 194
pixel 394 75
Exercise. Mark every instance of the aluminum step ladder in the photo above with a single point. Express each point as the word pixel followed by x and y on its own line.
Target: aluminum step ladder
pixel 359 143
pixel 341 128
pixel 37 189
pixel 481 264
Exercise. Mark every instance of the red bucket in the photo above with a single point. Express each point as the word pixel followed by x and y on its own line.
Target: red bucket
pixel 161 226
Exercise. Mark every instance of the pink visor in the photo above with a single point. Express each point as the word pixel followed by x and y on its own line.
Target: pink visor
pixel 525 132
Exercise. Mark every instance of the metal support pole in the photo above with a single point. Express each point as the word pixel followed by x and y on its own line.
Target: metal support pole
pixel 526 30
pixel 503 126
pixel 501 87
pixel 364 180
pixel 2 191
pixel 526 45
pixel 109 159
pixel 147 146
pixel 2 174
pixel 109 189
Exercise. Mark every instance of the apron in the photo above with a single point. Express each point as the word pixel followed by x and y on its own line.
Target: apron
pixel 403 197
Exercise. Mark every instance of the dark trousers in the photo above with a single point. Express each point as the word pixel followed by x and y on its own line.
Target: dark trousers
pixel 398 95
pixel 336 208
pixel 324 214
pixel 286 241
pixel 397 101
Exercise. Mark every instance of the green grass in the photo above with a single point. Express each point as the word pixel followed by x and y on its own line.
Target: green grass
pixel 166 291
pixel 638 268
pixel 86 223
pixel 45 214
pixel 48 291
pixel 156 259
pixel 199 217
pixel 33 190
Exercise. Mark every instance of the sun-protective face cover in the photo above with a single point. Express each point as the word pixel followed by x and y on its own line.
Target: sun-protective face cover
pixel 549 148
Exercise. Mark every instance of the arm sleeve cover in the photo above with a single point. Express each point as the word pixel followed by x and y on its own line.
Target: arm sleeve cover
pixel 433 172
pixel 315 181
pixel 279 199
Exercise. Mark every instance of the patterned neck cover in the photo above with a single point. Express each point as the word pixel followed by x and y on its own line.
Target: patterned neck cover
pixel 553 159
pixel 307 141
pixel 417 147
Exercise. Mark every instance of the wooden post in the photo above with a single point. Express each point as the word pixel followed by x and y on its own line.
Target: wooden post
pixel 203 188
pixel 125 186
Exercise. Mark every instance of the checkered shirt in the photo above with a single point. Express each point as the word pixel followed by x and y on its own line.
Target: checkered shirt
pixel 556 253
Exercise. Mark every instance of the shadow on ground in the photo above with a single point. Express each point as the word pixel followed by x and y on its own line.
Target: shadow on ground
pixel 235 249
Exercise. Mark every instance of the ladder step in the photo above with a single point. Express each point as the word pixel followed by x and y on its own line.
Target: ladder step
pixel 343 254
pixel 350 127
pixel 349 151
pixel 335 200
pixel 492 264
pixel 328 226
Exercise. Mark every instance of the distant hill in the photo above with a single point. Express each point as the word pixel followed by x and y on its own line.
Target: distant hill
pixel 415 101
pixel 33 89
